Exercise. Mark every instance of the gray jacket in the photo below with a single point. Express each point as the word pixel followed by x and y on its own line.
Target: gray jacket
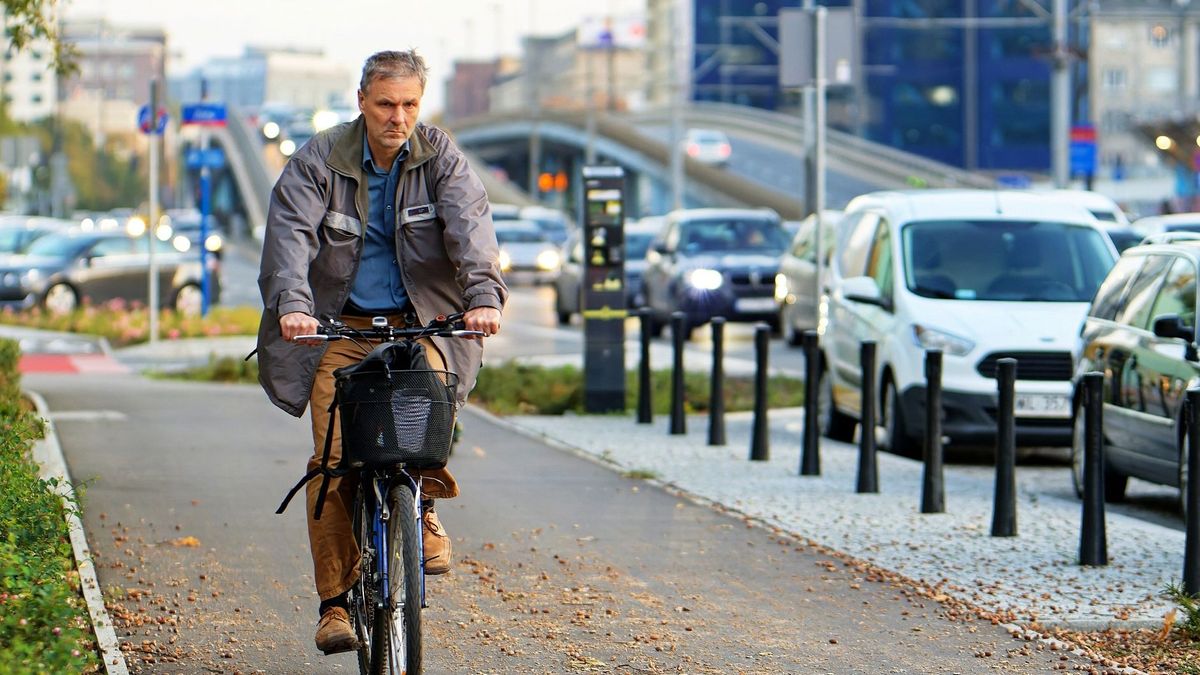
pixel 314 238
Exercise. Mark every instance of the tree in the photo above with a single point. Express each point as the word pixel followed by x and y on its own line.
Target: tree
pixel 26 21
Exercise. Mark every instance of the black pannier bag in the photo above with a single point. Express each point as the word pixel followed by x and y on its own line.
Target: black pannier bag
pixel 394 410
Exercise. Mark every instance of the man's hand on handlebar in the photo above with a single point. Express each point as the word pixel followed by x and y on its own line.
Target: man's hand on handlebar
pixel 483 319
pixel 298 323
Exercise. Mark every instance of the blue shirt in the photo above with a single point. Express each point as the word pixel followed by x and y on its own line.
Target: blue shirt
pixel 378 286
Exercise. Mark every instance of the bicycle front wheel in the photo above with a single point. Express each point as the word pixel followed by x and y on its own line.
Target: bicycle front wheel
pixel 401 621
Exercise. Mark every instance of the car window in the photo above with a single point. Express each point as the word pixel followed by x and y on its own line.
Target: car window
pixel 879 265
pixel 853 257
pixel 1005 260
pixel 1178 292
pixel 803 242
pixel 1112 290
pixel 112 247
pixel 732 234
pixel 1142 292
pixel 636 245
pixel 506 236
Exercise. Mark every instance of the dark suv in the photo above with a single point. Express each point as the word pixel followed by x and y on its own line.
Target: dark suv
pixel 1140 332
pixel 715 262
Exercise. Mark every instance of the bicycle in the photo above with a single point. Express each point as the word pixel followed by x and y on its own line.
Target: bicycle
pixel 394 418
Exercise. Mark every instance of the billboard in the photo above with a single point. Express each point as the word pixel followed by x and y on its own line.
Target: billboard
pixel 620 32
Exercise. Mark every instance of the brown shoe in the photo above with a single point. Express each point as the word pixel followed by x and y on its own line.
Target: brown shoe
pixel 435 541
pixel 334 634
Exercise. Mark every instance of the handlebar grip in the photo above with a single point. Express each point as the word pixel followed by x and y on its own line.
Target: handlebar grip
pixel 322 337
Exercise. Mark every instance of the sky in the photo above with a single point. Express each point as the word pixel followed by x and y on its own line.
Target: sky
pixel 350 30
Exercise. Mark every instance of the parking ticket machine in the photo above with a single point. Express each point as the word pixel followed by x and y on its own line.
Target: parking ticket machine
pixel 603 302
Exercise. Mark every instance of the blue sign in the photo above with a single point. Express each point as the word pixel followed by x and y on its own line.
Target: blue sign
pixel 199 158
pixel 1083 158
pixel 1013 181
pixel 144 122
pixel 204 114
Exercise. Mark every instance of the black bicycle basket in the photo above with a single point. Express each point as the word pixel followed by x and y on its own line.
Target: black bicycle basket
pixel 397 417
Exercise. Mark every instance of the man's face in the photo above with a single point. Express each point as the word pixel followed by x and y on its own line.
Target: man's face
pixel 390 107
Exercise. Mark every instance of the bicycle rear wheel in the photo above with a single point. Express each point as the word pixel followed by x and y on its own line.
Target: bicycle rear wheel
pixel 362 594
pixel 399 625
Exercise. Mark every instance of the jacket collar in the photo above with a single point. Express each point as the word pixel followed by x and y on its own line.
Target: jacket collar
pixel 346 155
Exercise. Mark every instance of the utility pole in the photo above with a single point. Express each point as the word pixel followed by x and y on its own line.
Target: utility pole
pixel 1060 99
pixel 677 89
pixel 589 105
pixel 533 73
pixel 152 225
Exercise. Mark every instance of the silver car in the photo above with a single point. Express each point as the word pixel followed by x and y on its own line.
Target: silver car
pixel 568 285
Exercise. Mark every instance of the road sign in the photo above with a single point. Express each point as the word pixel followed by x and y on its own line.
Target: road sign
pixel 1083 151
pixel 212 158
pixel 144 120
pixel 204 114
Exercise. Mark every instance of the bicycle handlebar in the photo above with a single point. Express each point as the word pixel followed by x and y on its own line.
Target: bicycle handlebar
pixel 439 326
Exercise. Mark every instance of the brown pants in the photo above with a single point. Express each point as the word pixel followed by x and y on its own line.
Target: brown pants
pixel 334 551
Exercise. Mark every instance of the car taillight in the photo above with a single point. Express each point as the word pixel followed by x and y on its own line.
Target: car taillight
pixel 724 150
pixel 693 149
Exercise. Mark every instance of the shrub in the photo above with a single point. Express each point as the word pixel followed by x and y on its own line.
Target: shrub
pixel 44 626
pixel 123 323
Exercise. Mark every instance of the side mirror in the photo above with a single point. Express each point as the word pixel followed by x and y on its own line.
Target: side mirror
pixel 1172 326
pixel 864 290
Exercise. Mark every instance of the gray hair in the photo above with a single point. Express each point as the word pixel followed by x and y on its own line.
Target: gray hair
pixel 392 64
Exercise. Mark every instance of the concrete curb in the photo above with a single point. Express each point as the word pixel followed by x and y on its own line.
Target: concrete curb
pixel 1016 630
pixel 48 454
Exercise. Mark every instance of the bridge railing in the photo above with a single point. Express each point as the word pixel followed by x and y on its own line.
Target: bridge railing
pixel 844 150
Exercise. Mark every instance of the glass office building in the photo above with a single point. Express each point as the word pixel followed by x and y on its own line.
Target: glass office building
pixel 965 82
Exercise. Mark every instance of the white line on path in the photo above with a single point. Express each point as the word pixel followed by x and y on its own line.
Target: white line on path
pixel 48 454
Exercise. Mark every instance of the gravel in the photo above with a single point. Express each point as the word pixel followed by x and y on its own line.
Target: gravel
pixel 1033 577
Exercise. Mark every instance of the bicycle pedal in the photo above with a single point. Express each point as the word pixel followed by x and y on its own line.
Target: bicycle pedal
pixel 342 648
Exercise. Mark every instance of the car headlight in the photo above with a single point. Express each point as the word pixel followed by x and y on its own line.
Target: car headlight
pixel 930 338
pixel 270 130
pixel 505 261
pixel 163 232
pixel 213 243
pixel 547 260
pixel 181 243
pixel 781 288
pixel 705 279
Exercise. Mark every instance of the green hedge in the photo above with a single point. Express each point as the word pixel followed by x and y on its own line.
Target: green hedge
pixel 44 625
pixel 515 388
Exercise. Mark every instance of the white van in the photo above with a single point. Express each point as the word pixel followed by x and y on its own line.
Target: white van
pixel 978 274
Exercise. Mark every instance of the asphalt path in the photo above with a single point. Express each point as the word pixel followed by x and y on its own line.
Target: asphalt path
pixel 561 565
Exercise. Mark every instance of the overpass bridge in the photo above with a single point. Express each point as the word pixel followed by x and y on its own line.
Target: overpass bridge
pixel 766 170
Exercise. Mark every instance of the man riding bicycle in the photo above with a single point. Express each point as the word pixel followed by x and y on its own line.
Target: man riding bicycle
pixel 380 216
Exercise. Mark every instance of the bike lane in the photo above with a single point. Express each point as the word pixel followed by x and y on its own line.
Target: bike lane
pixel 561 565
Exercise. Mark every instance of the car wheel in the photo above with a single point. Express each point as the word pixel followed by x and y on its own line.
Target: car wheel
pixel 564 317
pixel 896 436
pixel 791 335
pixel 60 299
pixel 835 424
pixel 1115 482
pixel 189 300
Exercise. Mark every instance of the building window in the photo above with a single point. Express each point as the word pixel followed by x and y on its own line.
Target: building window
pixel 8 77
pixel 1160 35
pixel 37 98
pixel 1161 80
pixel 1114 79
pixel 35 55
pixel 36 77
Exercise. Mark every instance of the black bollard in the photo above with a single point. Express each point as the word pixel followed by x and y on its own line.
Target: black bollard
pixel 760 450
pixel 810 458
pixel 645 414
pixel 1093 541
pixel 1191 550
pixel 678 327
pixel 868 470
pixel 933 488
pixel 1004 511
pixel 716 397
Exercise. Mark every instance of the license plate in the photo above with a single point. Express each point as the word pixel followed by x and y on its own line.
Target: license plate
pixel 1042 405
pixel 754 305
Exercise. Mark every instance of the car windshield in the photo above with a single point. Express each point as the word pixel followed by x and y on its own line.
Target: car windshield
pixel 636 245
pixel 710 236
pixel 11 240
pixel 53 246
pixel 511 236
pixel 1004 260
